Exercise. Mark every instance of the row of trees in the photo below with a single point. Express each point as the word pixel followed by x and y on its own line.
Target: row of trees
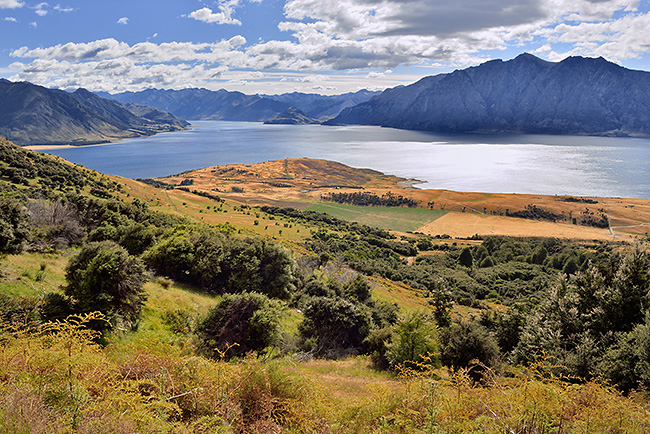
pixel 370 199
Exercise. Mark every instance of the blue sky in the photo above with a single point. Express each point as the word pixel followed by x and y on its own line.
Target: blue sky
pixel 319 46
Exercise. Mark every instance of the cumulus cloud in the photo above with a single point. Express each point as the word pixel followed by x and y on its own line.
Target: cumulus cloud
pixel 353 35
pixel 223 16
pixel 617 40
pixel 11 19
pixel 40 9
pixel 11 4
pixel 60 8
pixel 345 34
pixel 124 21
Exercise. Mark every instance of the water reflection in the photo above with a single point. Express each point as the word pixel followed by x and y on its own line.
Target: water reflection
pixel 587 166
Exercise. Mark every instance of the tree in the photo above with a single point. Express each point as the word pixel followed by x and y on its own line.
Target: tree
pixel 103 277
pixel 54 224
pixel 173 256
pixel 414 343
pixel 257 265
pixel 337 324
pixel 14 231
pixel 466 259
pixel 239 323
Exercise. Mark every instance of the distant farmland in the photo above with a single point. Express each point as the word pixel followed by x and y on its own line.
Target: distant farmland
pixel 395 218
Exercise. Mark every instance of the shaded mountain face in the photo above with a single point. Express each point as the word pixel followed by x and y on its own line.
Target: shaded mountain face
pixel 204 104
pixel 31 114
pixel 524 95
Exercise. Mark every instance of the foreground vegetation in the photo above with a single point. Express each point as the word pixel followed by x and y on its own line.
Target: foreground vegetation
pixel 61 381
pixel 115 317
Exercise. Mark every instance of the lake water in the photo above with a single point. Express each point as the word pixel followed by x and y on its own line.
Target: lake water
pixel 584 166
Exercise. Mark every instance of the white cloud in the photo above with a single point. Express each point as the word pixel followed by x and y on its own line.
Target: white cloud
pixel 124 21
pixel 313 78
pixel 352 35
pixel 33 24
pixel 348 34
pixel 40 9
pixel 224 16
pixel 11 19
pixel 60 8
pixel 11 4
pixel 620 39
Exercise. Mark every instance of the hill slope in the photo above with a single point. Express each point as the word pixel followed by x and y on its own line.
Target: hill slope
pixel 31 114
pixel 524 95
pixel 292 116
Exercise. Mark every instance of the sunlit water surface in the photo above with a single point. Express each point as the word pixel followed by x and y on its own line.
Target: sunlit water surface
pixel 586 166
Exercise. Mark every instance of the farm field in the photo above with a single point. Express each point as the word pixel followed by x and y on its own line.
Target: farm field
pixel 391 218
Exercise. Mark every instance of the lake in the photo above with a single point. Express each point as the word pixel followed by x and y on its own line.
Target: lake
pixel 575 165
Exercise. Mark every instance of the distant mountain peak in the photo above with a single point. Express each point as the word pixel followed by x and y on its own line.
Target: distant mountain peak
pixel 195 103
pixel 32 114
pixel 586 96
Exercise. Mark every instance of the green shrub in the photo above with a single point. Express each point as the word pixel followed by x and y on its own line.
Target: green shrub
pixel 414 343
pixel 103 277
pixel 339 325
pixel 239 323
pixel 464 342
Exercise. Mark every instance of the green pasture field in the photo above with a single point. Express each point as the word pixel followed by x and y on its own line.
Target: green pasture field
pixel 394 218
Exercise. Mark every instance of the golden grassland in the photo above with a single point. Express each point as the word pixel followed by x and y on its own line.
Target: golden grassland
pixel 300 183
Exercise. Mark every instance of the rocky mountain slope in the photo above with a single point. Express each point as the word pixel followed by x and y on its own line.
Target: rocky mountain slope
pixel 524 95
pixel 31 115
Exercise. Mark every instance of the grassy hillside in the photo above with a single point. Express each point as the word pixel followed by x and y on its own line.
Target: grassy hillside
pixel 351 299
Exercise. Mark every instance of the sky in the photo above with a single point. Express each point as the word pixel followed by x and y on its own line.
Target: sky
pixel 312 46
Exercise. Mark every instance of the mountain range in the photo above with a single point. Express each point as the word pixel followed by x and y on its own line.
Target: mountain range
pixel 580 96
pixel 204 104
pixel 32 115
pixel 322 107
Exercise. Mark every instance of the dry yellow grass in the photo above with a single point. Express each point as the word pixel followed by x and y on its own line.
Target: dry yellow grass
pixel 459 224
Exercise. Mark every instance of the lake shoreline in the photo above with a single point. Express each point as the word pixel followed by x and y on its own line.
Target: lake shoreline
pixel 531 164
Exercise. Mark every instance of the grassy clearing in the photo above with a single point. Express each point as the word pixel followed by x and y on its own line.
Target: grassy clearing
pixel 397 219
pixel 31 274
pixel 408 299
